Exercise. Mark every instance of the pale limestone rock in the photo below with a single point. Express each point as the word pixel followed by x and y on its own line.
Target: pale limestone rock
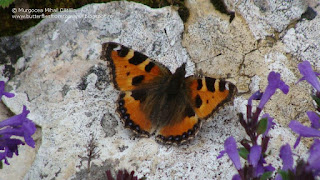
pixel 268 17
pixel 303 41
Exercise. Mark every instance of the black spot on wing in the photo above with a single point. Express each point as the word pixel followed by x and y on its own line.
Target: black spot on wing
pixel 123 52
pixel 199 84
pixel 110 46
pixel 137 80
pixel 189 112
pixel 222 85
pixel 137 58
pixel 198 101
pixel 149 66
pixel 139 95
pixel 128 73
pixel 210 83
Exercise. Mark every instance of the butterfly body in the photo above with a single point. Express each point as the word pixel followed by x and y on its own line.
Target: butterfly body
pixel 153 99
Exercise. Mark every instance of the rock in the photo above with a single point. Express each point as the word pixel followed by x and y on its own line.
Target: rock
pixel 302 41
pixel 267 18
pixel 67 89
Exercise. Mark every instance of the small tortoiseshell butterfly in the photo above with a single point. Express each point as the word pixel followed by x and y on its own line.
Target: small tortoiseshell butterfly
pixel 152 98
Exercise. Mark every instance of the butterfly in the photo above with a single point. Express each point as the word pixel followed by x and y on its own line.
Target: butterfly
pixel 153 100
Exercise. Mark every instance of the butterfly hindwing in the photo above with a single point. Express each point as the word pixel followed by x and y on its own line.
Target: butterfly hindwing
pixel 207 94
pixel 130 113
pixel 183 130
pixel 130 69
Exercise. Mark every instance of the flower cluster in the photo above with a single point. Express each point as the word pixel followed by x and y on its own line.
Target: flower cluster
pixel 254 153
pixel 18 125
pixel 123 175
pixel 309 169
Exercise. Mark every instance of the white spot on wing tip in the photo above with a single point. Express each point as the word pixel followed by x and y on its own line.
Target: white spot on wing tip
pixel 117 48
pixel 227 86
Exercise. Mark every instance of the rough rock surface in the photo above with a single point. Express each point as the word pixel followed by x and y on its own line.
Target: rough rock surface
pixel 65 85
pixel 269 17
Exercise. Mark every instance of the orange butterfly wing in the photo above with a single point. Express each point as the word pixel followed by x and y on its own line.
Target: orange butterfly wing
pixel 182 131
pixel 209 94
pixel 130 69
pixel 131 115
pixel 206 96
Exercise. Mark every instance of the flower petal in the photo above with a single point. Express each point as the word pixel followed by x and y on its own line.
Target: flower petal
pixel 269 168
pixel 10 147
pixel 286 156
pixel 302 130
pixel 18 125
pixel 274 83
pixel 254 155
pixel 255 96
pixel 16 120
pixel 221 154
pixel 315 119
pixel 297 142
pixel 236 177
pixel 8 95
pixel 308 74
pixel 2 91
pixel 314 157
pixel 230 147
pixel 29 129
pixel 278 177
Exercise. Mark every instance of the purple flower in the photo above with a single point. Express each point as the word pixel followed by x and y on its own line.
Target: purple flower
pixel 254 155
pixel 274 83
pixel 314 158
pixel 286 156
pixel 309 75
pixel 304 131
pixel 303 170
pixel 315 119
pixel 256 159
pixel 230 147
pixel 3 93
pixel 18 125
pixel 121 175
pixel 236 177
pixel 255 96
pixel 270 124
pixel 287 160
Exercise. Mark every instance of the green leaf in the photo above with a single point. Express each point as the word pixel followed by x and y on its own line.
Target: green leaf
pixel 5 3
pixel 262 126
pixel 243 153
pixel 284 175
pixel 266 175
pixel 316 99
pixel 1 165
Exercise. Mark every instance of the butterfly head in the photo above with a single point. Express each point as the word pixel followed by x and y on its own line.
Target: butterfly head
pixel 176 82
